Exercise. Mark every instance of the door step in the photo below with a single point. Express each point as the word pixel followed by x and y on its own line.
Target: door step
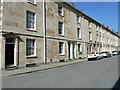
pixel 11 68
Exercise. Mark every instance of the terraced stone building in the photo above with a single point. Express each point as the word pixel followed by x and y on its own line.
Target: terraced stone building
pixel 35 33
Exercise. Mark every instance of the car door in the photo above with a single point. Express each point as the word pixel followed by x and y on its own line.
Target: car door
pixel 98 55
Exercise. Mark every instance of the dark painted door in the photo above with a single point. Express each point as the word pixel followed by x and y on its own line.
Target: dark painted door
pixel 9 54
pixel 73 51
pixel 69 50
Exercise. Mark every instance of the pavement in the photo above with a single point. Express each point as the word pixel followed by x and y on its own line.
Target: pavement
pixel 42 67
pixel 91 74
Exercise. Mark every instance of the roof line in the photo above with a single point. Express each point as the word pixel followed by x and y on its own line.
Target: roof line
pixel 91 18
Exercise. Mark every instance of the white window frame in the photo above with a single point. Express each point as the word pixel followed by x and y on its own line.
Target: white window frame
pixel 31 29
pixel 90 36
pixel 34 48
pixel 61 28
pixel 79 33
pixel 62 53
pixel 78 19
pixel 97 27
pixel 31 1
pixel 97 38
pixel 89 24
pixel 60 10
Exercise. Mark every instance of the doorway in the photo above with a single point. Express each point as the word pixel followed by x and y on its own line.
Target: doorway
pixel 69 50
pixel 73 51
pixel 9 52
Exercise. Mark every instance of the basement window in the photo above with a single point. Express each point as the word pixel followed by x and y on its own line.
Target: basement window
pixel 31 1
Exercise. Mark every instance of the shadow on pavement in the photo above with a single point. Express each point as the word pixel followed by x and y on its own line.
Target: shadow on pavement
pixel 93 59
pixel 117 85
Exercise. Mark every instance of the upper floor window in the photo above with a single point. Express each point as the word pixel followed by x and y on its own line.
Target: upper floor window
pixel 79 33
pixel 100 38
pixel 89 24
pixel 61 28
pixel 30 47
pixel 32 1
pixel 97 27
pixel 30 20
pixel 90 36
pixel 78 19
pixel 61 48
pixel 97 38
pixel 60 11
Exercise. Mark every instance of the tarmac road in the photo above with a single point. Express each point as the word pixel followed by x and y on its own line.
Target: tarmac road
pixel 92 74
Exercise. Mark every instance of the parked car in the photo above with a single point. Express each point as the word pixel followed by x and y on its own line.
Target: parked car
pixel 106 54
pixel 101 56
pixel 94 55
pixel 115 53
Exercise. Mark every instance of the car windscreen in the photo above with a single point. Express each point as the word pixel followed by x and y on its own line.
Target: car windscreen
pixel 103 52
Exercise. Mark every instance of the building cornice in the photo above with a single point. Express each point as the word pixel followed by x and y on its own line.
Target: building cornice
pixel 93 20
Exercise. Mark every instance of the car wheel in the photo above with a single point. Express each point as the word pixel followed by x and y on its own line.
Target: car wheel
pixel 88 59
pixel 97 58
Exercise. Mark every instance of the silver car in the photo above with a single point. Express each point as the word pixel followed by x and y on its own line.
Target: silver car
pixel 94 55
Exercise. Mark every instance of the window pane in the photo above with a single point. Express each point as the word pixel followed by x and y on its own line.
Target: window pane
pixel 78 32
pixel 61 48
pixel 30 20
pixel 60 10
pixel 60 27
pixel 30 47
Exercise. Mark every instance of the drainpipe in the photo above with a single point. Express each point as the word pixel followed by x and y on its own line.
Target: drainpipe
pixel 44 29
pixel 84 37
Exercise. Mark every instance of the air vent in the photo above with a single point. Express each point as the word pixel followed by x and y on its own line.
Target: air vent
pixel 62 60
pixel 31 65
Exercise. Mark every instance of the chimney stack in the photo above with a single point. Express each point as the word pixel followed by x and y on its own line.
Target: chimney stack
pixel 72 4
pixel 107 27
pixel 103 24
pixel 116 32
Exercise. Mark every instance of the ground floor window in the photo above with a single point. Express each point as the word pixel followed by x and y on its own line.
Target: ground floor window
pixel 61 47
pixel 30 47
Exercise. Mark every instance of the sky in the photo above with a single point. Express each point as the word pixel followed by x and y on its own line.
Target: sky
pixel 104 12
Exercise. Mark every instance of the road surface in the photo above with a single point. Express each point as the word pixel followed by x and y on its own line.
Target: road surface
pixel 92 74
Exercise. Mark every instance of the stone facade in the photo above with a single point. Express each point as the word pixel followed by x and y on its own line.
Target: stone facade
pixel 46 34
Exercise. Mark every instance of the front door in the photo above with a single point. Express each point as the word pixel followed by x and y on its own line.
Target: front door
pixel 73 51
pixel 9 52
pixel 69 51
